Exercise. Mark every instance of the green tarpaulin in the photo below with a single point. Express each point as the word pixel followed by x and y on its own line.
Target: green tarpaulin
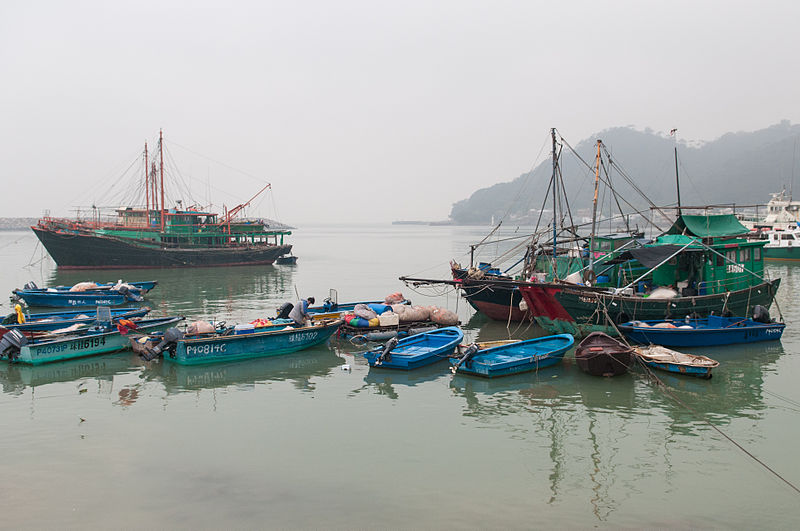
pixel 711 226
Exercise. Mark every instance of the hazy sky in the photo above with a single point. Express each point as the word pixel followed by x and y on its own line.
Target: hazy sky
pixel 366 111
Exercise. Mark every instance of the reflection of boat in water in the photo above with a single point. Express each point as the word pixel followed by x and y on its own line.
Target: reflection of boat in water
pixel 299 368
pixel 384 382
pixel 15 377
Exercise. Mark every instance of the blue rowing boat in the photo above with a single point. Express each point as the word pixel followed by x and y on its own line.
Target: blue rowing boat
pixel 513 357
pixel 416 351
pixel 230 346
pixel 665 359
pixel 71 299
pixel 105 337
pixel 707 332
pixel 39 322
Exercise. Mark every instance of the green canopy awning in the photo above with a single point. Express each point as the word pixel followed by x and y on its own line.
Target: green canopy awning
pixel 711 226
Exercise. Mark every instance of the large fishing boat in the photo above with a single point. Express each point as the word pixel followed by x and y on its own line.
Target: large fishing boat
pixel 152 235
pixel 702 266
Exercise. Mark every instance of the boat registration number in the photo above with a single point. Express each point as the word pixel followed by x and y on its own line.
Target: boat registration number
pixel 97 302
pixel 200 350
pixel 87 343
pixel 304 336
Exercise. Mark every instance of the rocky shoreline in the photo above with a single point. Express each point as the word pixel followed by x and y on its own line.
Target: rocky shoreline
pixel 17 223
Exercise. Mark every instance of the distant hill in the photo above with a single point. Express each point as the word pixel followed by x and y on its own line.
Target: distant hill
pixel 740 168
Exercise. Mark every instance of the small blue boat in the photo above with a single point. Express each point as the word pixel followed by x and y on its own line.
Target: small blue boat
pixel 142 286
pixel 416 351
pixel 665 359
pixel 71 299
pixel 514 357
pixel 707 332
pixel 39 322
pixel 105 337
pixel 230 346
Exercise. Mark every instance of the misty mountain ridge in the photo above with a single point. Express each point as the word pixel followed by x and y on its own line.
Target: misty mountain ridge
pixel 741 168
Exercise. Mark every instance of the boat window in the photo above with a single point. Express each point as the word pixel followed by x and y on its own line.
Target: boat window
pixel 720 260
pixel 731 255
pixel 745 255
pixel 757 254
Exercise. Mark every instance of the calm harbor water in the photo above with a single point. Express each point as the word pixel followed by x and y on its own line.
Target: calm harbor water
pixel 297 442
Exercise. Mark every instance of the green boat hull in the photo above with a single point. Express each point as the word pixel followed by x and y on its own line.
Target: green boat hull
pixel 579 311
pixel 80 347
pixel 197 351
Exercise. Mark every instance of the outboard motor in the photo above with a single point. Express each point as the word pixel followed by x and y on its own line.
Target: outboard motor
pixel 761 314
pixel 30 285
pixel 284 310
pixel 386 355
pixel 328 305
pixel 11 343
pixel 471 351
pixel 131 296
pixel 171 337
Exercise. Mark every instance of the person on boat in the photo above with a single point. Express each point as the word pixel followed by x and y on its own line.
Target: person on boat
pixel 299 313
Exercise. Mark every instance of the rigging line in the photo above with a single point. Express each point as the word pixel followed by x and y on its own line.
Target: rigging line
pixel 528 181
pixel 703 419
pixel 613 191
pixel 119 179
pixel 630 181
pixel 627 179
pixel 781 397
pixel 104 177
pixel 685 173
pixel 260 180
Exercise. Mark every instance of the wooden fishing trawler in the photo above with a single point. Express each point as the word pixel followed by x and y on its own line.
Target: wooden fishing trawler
pixel 156 236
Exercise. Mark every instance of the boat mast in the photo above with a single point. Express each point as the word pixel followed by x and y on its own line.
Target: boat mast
pixel 555 169
pixel 677 179
pixel 594 206
pixel 161 156
pixel 147 183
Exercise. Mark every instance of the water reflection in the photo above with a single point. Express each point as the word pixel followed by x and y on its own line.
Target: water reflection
pixel 16 377
pixel 384 381
pixel 299 368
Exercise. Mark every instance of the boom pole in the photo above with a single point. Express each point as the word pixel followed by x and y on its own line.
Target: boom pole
pixel 161 156
pixel 555 168
pixel 594 206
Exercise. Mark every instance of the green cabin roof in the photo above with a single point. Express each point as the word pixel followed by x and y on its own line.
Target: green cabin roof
pixel 709 226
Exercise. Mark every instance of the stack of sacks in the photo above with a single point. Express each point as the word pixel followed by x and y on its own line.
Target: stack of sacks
pixel 200 327
pixel 411 314
pixel 360 322
pixel 442 316
pixel 394 298
pixel 83 286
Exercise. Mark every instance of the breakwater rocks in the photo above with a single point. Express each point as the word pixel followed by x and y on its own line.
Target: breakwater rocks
pixel 17 223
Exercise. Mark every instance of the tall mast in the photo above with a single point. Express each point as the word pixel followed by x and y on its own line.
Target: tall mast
pixel 161 156
pixel 555 169
pixel 677 179
pixel 147 183
pixel 594 206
